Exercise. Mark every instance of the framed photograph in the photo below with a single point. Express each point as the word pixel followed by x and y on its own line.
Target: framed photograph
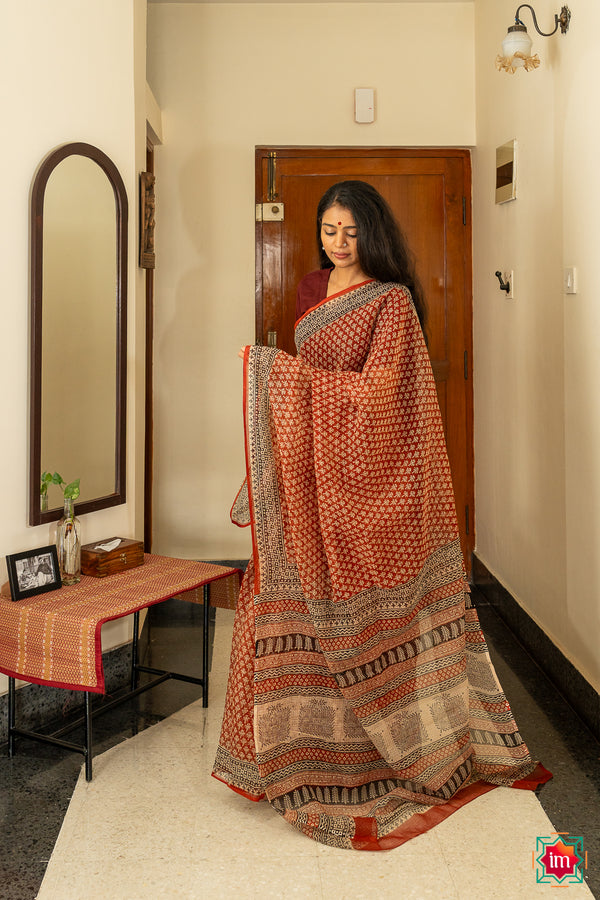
pixel 33 572
pixel 147 255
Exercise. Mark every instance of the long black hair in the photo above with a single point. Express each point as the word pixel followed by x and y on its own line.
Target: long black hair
pixel 381 246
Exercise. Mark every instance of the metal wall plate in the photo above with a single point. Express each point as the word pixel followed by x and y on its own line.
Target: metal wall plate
pixel 269 212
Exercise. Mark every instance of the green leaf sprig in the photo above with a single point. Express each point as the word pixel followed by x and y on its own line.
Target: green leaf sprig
pixel 70 491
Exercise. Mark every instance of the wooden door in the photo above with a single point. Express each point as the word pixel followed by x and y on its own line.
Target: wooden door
pixel 430 194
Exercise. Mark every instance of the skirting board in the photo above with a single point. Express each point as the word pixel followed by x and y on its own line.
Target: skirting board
pixel 578 692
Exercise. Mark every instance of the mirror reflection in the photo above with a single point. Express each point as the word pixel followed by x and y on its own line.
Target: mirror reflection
pixel 79 319
pixel 78 329
pixel 506 183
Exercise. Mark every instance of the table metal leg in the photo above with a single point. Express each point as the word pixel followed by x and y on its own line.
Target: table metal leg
pixel 11 716
pixel 134 651
pixel 206 590
pixel 88 736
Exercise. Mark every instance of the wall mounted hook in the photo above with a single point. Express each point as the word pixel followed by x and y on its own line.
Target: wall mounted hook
pixel 504 285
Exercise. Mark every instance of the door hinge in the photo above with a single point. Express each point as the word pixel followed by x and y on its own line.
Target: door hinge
pixel 269 212
pixel 466 365
pixel 464 210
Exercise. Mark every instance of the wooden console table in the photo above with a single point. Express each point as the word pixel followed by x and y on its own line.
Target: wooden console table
pixel 55 638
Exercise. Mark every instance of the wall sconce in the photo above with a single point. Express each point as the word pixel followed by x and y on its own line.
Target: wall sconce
pixel 516 46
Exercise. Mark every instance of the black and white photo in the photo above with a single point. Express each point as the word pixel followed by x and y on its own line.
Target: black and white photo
pixel 33 572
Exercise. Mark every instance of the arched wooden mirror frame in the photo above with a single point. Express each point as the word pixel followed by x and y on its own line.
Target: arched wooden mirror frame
pixel 37 516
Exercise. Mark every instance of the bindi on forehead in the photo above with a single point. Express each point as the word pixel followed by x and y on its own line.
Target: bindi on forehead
pixel 338 218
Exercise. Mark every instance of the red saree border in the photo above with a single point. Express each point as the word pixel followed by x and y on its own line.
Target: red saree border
pixel 535 779
pixel 420 823
pixel 237 790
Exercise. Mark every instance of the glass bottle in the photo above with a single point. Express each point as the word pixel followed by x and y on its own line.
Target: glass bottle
pixel 68 544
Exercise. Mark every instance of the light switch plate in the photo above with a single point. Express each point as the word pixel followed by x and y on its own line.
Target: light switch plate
pixel 570 280
pixel 509 277
pixel 364 105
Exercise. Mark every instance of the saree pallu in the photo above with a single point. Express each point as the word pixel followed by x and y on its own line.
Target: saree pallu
pixel 361 701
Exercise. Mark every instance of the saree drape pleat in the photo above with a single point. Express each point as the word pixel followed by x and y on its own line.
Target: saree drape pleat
pixel 362 702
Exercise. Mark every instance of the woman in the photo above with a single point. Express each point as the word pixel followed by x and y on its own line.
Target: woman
pixel 361 701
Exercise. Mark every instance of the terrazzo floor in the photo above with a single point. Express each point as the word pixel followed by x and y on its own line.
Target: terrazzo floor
pixel 153 824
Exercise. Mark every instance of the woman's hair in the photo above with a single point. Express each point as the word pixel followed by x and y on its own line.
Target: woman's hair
pixel 382 248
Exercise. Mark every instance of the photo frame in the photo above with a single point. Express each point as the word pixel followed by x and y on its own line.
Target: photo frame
pixel 147 220
pixel 33 572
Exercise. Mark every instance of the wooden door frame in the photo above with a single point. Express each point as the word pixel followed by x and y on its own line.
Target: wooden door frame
pixel 149 387
pixel 399 152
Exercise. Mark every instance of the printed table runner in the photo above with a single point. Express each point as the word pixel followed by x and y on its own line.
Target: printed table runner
pixel 55 638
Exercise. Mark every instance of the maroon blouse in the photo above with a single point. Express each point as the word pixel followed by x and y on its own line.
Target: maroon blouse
pixel 311 290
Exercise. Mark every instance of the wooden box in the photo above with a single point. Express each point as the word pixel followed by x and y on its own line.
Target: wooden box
pixel 99 563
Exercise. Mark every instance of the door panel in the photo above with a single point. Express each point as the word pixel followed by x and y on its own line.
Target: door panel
pixel 429 192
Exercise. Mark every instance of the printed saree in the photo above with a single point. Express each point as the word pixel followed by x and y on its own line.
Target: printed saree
pixel 361 702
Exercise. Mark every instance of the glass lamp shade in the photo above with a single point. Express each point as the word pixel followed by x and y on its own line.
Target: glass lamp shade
pixel 517 41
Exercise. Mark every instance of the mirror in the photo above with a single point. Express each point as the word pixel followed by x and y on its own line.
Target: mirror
pixel 506 172
pixel 78 351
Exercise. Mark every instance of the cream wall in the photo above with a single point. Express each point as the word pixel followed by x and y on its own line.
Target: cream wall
pixel 70 74
pixel 537 363
pixel 229 77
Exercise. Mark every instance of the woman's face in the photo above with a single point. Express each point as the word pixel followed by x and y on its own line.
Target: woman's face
pixel 338 236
